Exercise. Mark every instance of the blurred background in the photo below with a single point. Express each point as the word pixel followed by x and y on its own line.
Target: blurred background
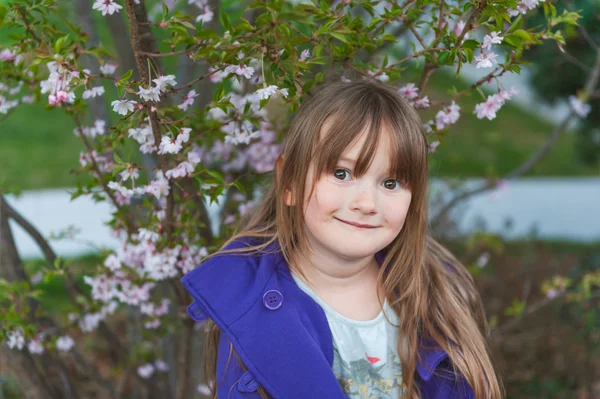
pixel 512 238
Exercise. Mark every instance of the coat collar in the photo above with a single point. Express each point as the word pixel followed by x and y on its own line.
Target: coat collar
pixel 228 287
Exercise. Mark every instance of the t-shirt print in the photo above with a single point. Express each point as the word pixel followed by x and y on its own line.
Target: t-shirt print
pixel 365 355
pixel 367 376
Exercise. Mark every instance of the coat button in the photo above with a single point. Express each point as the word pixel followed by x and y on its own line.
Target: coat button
pixel 247 383
pixel 272 299
pixel 196 312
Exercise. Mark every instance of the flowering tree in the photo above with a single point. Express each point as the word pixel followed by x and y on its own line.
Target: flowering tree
pixel 196 100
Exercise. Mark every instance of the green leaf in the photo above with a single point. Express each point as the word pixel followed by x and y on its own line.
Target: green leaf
pixel 165 11
pixel 470 44
pixel 126 76
pixel 225 20
pixel 118 159
pixel 60 43
pixel 444 57
pixel 214 174
pixel 219 93
pixel 517 23
pixel 339 36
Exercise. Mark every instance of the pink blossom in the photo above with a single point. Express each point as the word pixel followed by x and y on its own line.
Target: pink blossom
pixel 489 108
pixel 489 40
pixel 421 102
pixel 217 76
pixel 409 91
pixel 159 187
pixel 459 27
pixel 304 55
pixel 448 116
pixel 433 146
pixel 188 100
pixel 241 70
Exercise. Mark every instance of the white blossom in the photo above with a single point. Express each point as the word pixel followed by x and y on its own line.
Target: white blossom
pixel 270 91
pixel 35 346
pixel 485 60
pixel 106 6
pixel 123 107
pixel 108 69
pixel 579 107
pixel 163 82
pixel 161 365
pixel 16 339
pixel 145 371
pixel 151 94
pixel 93 92
pixel 64 343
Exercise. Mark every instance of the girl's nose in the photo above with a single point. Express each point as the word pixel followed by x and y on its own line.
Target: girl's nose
pixel 365 198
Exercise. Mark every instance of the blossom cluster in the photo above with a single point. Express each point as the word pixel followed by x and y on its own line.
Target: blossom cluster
pixel 490 107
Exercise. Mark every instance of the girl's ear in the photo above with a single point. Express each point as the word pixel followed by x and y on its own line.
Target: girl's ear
pixel 287 195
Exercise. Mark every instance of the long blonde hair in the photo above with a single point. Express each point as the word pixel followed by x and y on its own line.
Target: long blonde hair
pixel 432 293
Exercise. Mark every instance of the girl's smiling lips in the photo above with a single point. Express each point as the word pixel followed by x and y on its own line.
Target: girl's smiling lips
pixel 363 226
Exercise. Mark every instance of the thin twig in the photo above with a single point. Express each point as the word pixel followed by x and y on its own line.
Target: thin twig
pixel 575 61
pixel 417 54
pixel 419 38
pixel 587 37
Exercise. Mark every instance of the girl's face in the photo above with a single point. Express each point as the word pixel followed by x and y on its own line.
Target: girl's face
pixel 352 218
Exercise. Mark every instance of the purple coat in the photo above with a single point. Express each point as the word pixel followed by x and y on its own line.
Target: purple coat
pixel 282 335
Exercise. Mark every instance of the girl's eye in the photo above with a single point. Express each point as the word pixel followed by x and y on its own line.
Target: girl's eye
pixel 391 184
pixel 341 174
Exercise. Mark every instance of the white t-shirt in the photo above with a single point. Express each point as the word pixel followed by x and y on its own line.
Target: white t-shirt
pixel 365 354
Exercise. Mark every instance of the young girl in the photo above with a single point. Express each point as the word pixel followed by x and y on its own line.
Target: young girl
pixel 332 287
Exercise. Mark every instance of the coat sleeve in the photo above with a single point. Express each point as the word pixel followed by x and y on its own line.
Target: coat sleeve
pixel 233 382
pixel 445 384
